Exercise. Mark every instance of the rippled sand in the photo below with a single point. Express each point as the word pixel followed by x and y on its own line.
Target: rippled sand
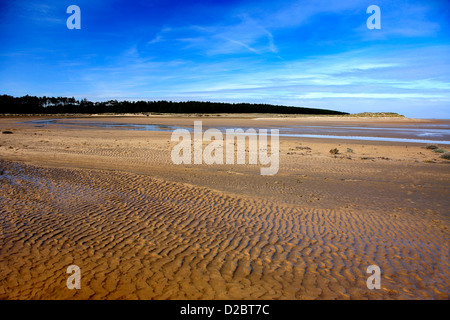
pixel 139 227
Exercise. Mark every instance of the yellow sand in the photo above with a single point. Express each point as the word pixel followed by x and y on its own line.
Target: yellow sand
pixel 140 227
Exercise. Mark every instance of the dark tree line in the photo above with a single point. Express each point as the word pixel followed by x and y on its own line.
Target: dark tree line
pixel 51 105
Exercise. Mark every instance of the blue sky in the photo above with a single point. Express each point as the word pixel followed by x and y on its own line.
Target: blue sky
pixel 298 53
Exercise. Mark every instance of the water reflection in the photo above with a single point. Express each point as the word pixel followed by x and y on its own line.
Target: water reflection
pixel 415 133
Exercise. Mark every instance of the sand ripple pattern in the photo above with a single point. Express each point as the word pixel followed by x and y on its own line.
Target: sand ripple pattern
pixel 136 237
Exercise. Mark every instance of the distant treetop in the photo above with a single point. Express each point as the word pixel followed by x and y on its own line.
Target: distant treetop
pixel 51 105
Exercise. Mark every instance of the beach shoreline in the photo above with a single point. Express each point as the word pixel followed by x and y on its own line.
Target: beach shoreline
pixel 141 227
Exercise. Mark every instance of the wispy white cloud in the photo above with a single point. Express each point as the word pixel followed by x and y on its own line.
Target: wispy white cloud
pixel 245 35
pixel 303 53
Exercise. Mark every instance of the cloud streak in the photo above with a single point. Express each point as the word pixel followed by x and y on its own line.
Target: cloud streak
pixel 302 53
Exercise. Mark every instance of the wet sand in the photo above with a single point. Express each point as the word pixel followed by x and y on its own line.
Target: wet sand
pixel 140 227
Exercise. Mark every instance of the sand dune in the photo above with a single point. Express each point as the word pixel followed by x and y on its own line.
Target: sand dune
pixel 142 229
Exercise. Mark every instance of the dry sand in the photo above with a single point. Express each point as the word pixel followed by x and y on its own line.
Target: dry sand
pixel 140 227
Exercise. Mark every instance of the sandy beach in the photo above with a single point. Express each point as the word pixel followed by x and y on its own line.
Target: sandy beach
pixel 140 227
